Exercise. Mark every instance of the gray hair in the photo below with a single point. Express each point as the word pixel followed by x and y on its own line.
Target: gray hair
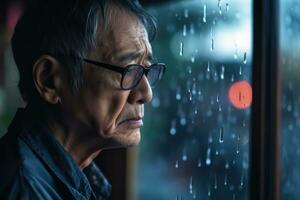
pixel 67 31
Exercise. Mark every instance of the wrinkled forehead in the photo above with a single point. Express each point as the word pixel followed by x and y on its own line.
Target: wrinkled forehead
pixel 123 32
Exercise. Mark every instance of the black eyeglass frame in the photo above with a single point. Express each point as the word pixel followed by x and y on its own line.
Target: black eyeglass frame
pixel 123 71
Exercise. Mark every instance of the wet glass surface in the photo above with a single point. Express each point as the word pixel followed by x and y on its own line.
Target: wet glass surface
pixel 195 141
pixel 290 98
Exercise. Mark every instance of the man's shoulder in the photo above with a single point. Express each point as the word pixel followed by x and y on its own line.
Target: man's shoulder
pixel 22 173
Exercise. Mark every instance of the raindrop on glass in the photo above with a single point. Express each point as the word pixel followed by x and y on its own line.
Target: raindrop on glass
pixel 245 58
pixel 173 127
pixel 225 180
pixel 199 164
pixel 227 165
pixel 192 29
pixel 242 181
pixel 184 156
pixel 208 159
pixel 212 44
pixel 191 185
pixel 232 78
pixel 216 182
pixel 221 134
pixel 208 67
pixel 227 7
pixel 182 121
pixel 192 59
pixel 217 152
pixel 240 70
pixel 176 164
pixel 220 7
pixel 204 13
pixel 178 95
pixel 220 108
pixel 181 49
pixel 184 30
pixel 190 95
pixel 222 72
pixel 237 148
pixel 210 139
pixel 186 13
pixel 235 56
pixel 209 191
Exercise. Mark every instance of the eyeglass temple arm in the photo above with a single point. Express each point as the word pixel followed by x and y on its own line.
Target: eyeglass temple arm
pixel 106 66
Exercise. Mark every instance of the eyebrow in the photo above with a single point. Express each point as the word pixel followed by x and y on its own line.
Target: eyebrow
pixel 132 56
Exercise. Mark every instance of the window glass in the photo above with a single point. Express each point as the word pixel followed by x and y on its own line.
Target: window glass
pixel 290 98
pixel 195 141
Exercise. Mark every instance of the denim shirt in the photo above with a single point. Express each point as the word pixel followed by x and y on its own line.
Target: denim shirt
pixel 35 166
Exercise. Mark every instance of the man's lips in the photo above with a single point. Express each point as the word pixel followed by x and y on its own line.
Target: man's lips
pixel 133 122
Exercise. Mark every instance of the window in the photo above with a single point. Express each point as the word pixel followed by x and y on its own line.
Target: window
pixel 290 121
pixel 195 143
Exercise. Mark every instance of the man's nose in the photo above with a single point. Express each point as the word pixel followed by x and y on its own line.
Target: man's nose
pixel 142 93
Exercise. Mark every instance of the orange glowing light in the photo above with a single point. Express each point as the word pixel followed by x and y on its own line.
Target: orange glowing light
pixel 240 94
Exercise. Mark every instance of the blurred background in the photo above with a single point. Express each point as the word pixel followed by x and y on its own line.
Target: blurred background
pixel 195 141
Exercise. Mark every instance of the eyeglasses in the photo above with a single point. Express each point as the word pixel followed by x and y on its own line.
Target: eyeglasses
pixel 132 74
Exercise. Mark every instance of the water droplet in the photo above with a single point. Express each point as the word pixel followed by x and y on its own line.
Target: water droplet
pixel 227 165
pixel 178 96
pixel 182 121
pixel 220 7
pixel 210 139
pixel 190 95
pixel 244 123
pixel 199 164
pixel 173 127
pixel 240 70
pixel 208 159
pixel 181 49
pixel 191 185
pixel 209 191
pixel 204 13
pixel 217 152
pixel 212 44
pixel 186 13
pixel 216 182
pixel 245 58
pixel 192 29
pixel 184 30
pixel 176 164
pixel 184 156
pixel 221 135
pixel 222 72
pixel 220 108
pixel 192 59
pixel 196 111
pixel 227 7
pixel 232 78
pixel 242 181
pixel 235 56
pixel 208 67
pixel 225 180
pixel 194 89
pixel 237 148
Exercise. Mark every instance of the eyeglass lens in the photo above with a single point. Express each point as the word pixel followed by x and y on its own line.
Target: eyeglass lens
pixel 134 74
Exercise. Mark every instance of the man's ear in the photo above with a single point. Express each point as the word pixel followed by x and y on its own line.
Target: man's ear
pixel 48 78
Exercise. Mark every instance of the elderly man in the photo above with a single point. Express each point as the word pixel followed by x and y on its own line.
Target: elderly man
pixel 86 71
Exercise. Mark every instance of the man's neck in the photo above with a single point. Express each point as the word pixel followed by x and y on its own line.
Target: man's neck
pixel 76 140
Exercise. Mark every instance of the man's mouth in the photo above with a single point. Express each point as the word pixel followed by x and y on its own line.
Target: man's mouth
pixel 136 122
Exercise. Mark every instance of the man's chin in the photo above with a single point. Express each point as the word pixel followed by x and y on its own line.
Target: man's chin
pixel 124 140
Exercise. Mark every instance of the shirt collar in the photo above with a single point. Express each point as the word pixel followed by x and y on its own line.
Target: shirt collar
pixel 39 138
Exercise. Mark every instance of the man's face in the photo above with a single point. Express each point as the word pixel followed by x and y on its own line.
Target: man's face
pixel 115 115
